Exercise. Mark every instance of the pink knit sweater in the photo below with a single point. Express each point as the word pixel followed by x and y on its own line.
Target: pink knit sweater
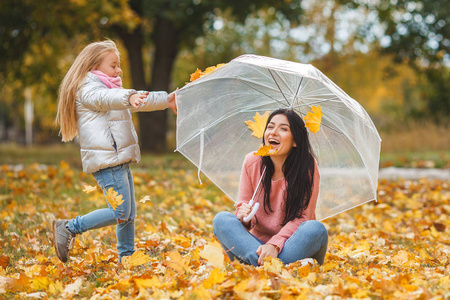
pixel 267 227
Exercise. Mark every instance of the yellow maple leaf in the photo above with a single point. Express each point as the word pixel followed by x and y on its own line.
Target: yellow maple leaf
pixel 178 262
pixel 265 151
pixel 210 69
pixel 40 283
pixel 212 252
pixel 215 277
pixel 113 198
pixel 153 282
pixel 89 188
pixel 313 119
pixel 273 265
pixel 258 125
pixel 138 258
pixel 195 254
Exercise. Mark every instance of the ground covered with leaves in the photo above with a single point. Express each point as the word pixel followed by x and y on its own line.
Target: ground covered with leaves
pixel 396 248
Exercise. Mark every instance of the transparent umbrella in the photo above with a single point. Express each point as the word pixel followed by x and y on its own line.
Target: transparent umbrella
pixel 212 133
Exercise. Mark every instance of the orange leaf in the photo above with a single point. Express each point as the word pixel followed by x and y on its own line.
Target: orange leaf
pixel 4 261
pixel 265 151
pixel 199 73
pixel 210 69
pixel 259 125
pixel 313 119
pixel 196 75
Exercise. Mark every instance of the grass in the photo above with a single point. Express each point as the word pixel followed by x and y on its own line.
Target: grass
pixel 13 154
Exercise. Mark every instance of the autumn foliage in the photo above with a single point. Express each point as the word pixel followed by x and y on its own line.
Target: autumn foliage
pixel 396 248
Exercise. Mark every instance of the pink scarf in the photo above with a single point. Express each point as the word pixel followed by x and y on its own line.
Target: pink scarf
pixel 110 82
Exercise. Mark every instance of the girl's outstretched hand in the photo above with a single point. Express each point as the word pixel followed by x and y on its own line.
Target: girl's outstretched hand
pixel 266 250
pixel 172 102
pixel 136 100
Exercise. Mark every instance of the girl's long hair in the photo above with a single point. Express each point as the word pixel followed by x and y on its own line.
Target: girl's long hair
pixel 89 58
pixel 298 169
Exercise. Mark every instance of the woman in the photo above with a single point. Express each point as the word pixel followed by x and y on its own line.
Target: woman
pixel 285 225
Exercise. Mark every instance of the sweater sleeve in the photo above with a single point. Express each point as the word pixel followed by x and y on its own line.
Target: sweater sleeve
pixel 308 214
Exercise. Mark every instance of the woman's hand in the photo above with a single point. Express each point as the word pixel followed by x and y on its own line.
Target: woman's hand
pixel 243 211
pixel 135 100
pixel 266 250
pixel 172 102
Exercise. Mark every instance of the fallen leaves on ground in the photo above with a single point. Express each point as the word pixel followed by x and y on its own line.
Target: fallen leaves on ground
pixel 396 248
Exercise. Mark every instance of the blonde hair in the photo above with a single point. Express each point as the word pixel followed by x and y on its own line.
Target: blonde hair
pixel 88 59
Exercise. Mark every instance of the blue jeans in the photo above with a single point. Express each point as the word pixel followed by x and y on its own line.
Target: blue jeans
pixel 120 179
pixel 309 241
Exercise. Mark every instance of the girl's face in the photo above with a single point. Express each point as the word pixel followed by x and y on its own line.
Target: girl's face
pixel 278 134
pixel 110 65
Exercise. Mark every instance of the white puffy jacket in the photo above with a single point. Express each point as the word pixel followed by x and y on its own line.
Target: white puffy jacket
pixel 106 130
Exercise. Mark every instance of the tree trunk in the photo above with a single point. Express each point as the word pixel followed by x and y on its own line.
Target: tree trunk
pixel 134 43
pixel 153 125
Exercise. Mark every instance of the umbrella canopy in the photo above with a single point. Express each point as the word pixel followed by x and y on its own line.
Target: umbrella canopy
pixel 212 133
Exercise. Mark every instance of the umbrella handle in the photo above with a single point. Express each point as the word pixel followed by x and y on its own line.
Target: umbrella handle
pixel 252 213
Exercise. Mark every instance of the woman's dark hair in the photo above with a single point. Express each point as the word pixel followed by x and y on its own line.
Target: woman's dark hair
pixel 298 169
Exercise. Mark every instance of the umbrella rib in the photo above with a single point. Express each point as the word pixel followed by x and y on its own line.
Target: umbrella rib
pixel 279 87
pixel 262 92
pixel 316 102
pixel 298 89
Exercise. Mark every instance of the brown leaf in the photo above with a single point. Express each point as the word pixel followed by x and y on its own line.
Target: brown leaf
pixel 4 261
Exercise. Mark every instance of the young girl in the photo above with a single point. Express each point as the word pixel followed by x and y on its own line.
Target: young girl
pixel 284 226
pixel 93 105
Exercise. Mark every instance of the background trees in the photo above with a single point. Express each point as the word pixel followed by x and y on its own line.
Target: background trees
pixel 391 56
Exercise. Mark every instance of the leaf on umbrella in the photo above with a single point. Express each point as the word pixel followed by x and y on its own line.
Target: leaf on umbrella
pixel 138 258
pixel 210 69
pixel 113 198
pixel 258 125
pixel 265 151
pixel 199 73
pixel 196 75
pixel 89 188
pixel 212 252
pixel 313 119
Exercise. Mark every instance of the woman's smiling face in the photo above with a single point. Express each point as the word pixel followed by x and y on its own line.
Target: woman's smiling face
pixel 278 134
